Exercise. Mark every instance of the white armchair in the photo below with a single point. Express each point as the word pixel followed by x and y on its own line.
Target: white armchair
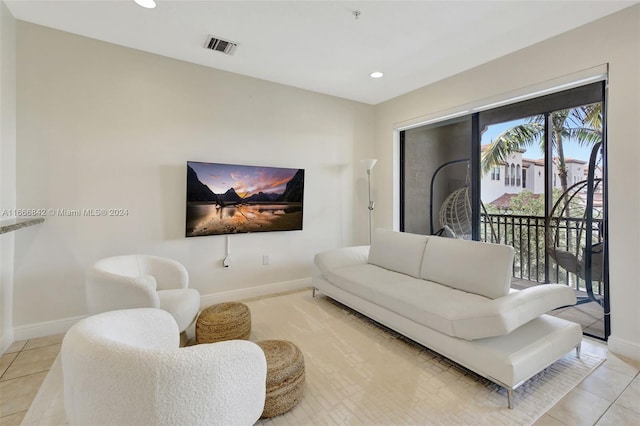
pixel 125 368
pixel 142 281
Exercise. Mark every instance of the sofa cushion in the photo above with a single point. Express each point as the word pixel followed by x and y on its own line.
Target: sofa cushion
pixel 329 260
pixel 427 303
pixel 397 251
pixel 450 311
pixel 472 266
pixel 506 314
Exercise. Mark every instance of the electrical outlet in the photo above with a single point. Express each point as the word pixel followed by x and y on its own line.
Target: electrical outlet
pixel 265 259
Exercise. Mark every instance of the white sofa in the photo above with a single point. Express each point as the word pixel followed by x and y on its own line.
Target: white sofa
pixel 125 368
pixel 454 297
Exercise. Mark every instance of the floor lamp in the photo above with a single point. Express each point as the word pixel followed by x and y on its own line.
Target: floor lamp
pixel 369 163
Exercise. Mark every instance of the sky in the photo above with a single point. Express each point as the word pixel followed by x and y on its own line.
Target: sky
pixel 571 149
pixel 245 180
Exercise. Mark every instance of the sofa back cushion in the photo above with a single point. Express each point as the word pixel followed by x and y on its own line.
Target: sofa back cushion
pixel 471 266
pixel 330 260
pixel 397 251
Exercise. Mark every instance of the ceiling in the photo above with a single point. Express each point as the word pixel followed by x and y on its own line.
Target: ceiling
pixel 320 45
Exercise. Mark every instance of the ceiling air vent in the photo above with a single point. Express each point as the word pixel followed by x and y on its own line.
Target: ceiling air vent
pixel 219 45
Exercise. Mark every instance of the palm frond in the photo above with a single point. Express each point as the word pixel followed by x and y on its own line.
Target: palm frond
pixel 515 138
pixel 588 115
pixel 585 136
pixel 581 124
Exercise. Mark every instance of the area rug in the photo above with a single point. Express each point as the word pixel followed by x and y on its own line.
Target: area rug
pixel 360 373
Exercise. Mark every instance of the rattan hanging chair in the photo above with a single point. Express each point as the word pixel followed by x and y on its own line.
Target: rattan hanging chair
pixel 455 214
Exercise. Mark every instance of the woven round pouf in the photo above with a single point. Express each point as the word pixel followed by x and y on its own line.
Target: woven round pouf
pixel 224 321
pixel 285 376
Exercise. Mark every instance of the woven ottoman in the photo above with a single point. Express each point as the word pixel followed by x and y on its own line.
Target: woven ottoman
pixel 285 376
pixel 224 321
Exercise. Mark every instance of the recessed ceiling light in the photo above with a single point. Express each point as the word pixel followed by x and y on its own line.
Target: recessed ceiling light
pixel 148 4
pixel 376 74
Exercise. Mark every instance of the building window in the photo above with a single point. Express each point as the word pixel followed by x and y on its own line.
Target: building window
pixel 506 175
pixel 495 173
pixel 524 178
pixel 518 174
pixel 513 174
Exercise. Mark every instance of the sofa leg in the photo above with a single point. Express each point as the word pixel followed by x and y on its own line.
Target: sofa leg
pixel 578 348
pixel 313 292
pixel 510 398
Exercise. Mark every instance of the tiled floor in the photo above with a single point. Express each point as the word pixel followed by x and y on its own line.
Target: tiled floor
pixel 609 396
pixel 23 368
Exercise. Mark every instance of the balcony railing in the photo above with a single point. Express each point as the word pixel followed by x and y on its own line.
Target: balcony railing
pixel 526 234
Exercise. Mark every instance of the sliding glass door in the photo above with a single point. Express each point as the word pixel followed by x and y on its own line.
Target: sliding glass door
pixel 531 175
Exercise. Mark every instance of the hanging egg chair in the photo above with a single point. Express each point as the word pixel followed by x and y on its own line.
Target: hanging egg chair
pixel 455 214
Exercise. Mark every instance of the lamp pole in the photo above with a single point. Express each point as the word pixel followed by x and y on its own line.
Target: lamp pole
pixel 371 202
pixel 369 163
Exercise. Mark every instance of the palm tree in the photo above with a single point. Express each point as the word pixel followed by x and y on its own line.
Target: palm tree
pixel 582 124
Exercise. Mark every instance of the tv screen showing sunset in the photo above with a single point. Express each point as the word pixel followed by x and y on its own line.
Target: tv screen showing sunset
pixel 230 199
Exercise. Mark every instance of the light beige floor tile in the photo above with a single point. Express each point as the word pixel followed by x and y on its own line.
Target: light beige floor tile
pixel 547 420
pixel 15 347
pixel 17 394
pixel 630 398
pixel 594 346
pixel 619 416
pixel 577 315
pixel 5 361
pixel 44 341
pixel 12 419
pixel 595 329
pixel 579 407
pixel 32 361
pixel 44 407
pixel 622 364
pixel 605 383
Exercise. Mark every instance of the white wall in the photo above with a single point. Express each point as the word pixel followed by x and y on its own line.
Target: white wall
pixel 614 40
pixel 492 189
pixel 101 126
pixel 7 167
pixel 535 178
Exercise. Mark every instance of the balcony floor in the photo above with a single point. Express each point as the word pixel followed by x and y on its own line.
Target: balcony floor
pixel 589 315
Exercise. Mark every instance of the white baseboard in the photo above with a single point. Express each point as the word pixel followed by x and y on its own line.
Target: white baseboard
pixel 624 347
pixel 6 339
pixel 48 328
pixel 42 329
pixel 251 292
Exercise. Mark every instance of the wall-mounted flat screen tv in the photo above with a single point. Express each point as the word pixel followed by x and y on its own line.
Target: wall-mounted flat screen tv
pixel 231 199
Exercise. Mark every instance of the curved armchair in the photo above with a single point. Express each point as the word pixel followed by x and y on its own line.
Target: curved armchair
pixel 125 368
pixel 142 281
